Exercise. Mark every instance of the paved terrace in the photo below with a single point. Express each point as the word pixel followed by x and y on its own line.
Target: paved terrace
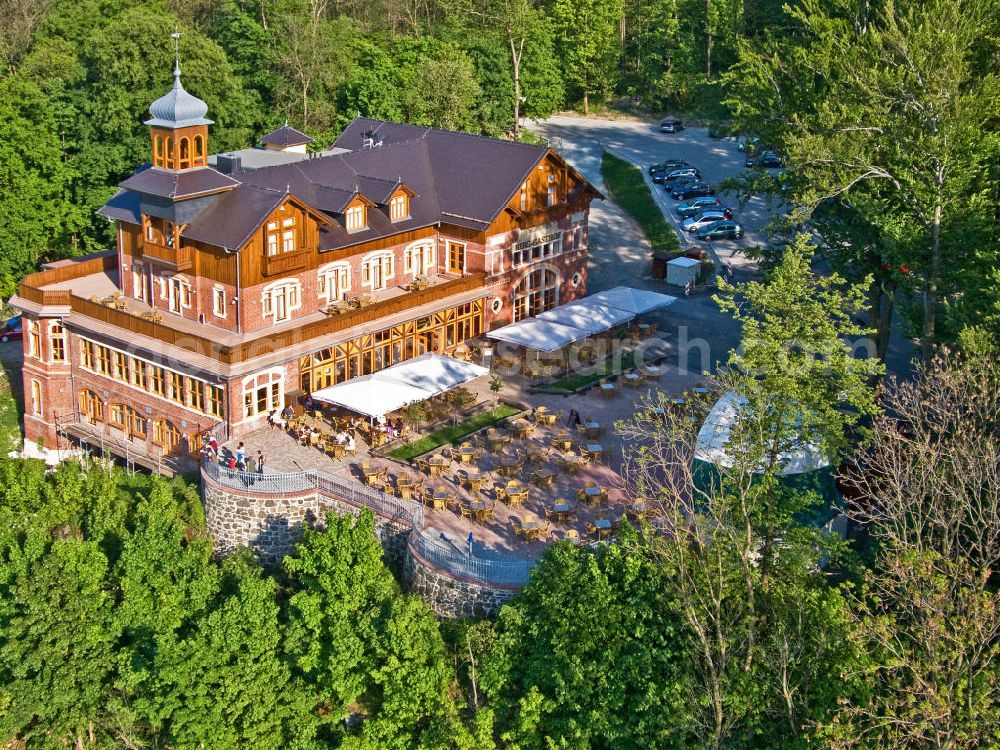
pixel 495 537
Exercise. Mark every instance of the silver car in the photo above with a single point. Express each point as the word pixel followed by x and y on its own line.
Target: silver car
pixel 702 220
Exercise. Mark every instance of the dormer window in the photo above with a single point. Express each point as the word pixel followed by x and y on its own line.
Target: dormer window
pixel 399 207
pixel 354 218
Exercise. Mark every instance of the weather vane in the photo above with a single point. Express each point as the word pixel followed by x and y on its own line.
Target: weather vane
pixel 176 36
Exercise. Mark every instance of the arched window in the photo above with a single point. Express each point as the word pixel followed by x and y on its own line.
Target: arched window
pixel 166 435
pixel 170 153
pixel 280 299
pixel 91 407
pixel 158 152
pixel 185 154
pixel 377 270
pixel 263 393
pixel 199 151
pixel 334 280
pixel 537 292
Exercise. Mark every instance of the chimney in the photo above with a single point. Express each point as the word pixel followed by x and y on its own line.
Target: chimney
pixel 229 163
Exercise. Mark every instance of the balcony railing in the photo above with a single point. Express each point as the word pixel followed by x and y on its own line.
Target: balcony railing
pixel 178 258
pixel 276 265
pixel 31 289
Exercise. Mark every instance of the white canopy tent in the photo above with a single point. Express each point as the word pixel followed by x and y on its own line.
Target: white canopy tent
pixel 417 379
pixel 543 335
pixel 713 440
pixel 635 301
pixel 433 372
pixel 587 314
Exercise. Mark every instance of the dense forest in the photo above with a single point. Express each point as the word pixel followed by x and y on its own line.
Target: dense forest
pixel 78 76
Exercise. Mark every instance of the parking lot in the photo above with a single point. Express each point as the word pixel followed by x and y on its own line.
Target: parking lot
pixel 582 141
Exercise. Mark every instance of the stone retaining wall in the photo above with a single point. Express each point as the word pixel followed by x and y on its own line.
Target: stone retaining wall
pixel 271 524
pixel 449 596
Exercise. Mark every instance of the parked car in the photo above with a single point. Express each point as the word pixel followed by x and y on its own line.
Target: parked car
pixel 681 173
pixel 681 183
pixel 705 218
pixel 696 206
pixel 671 125
pixel 727 229
pixel 767 160
pixel 667 165
pixel 692 190
pixel 12 330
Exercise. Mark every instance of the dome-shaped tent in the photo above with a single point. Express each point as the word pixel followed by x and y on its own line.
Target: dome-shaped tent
pixel 803 467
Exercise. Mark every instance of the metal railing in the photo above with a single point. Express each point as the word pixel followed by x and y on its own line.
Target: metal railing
pixel 458 563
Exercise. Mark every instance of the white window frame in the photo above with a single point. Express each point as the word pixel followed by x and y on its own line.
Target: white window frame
pixel 265 379
pixel 423 250
pixel 178 295
pixel 551 247
pixel 338 272
pixel 219 301
pixel 355 218
pixel 399 207
pixel 551 195
pixel 287 288
pixel 271 238
pixel 389 269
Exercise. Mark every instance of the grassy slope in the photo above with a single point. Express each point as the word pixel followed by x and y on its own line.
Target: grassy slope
pixel 449 434
pixel 629 190
pixel 10 418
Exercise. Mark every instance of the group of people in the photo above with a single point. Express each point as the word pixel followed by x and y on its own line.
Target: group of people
pixel 240 461
pixel 345 439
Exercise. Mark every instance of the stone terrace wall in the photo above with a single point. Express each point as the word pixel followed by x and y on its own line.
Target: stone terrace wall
pixel 449 596
pixel 270 524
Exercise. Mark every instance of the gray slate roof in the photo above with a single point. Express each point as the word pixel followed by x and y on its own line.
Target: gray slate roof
pixel 457 178
pixel 286 136
pixel 177 185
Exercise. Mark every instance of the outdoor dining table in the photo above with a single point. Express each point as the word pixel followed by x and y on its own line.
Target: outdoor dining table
pixel 437 464
pixel 562 440
pixel 633 379
pixel 652 371
pixel 592 429
pixel 546 418
pixel 571 463
pixel 561 509
pixel 700 391
pixel 603 526
pixel 478 509
pixel 438 499
pixel 678 401
pixel 510 465
pixel 607 389
pixel 521 428
pixel 531 527
pixel 517 492
pixel 466 453
pixel 595 451
pixel 593 493
pixel 543 477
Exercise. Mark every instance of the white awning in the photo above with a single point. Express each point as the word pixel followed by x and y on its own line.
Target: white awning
pixel 433 372
pixel 635 301
pixel 587 314
pixel 393 388
pixel 371 396
pixel 713 440
pixel 543 335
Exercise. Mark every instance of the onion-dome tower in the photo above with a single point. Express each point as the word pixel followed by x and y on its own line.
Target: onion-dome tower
pixel 178 127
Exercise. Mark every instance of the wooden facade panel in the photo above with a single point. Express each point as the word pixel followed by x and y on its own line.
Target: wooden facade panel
pixel 213 263
pixel 253 266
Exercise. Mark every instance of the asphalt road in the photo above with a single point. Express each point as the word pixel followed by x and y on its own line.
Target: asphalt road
pixel 582 140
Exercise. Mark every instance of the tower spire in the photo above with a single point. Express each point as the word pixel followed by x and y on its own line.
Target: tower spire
pixel 176 36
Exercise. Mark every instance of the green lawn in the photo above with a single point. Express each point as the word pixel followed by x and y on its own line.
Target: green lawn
pixel 605 369
pixel 450 434
pixel 628 188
